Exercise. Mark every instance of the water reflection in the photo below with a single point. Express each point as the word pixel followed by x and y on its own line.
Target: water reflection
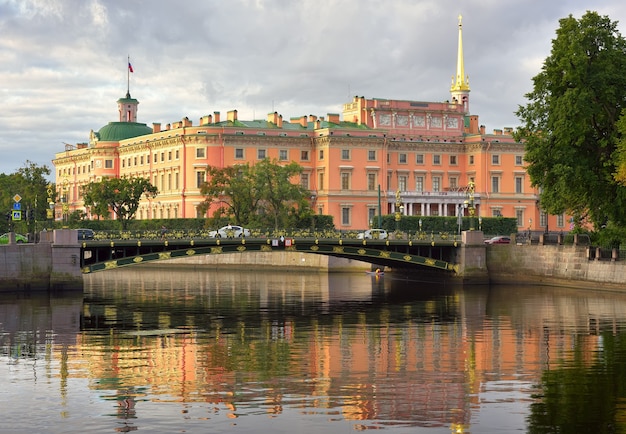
pixel 165 350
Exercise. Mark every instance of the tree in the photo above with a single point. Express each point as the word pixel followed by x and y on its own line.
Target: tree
pixel 263 194
pixel 233 189
pixel 282 198
pixel 30 183
pixel 119 195
pixel 570 124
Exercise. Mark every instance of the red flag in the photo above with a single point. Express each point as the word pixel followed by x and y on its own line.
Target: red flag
pixel 130 67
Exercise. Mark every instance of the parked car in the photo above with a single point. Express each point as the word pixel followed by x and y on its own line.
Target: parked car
pixel 19 238
pixel 85 234
pixel 501 239
pixel 230 231
pixel 373 234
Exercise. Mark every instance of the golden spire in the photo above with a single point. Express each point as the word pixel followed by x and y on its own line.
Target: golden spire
pixel 461 81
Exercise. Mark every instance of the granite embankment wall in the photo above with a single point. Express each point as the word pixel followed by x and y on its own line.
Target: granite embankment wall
pixel 562 265
pixel 279 260
pixel 52 264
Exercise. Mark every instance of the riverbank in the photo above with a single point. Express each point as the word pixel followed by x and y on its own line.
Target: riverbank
pixel 556 265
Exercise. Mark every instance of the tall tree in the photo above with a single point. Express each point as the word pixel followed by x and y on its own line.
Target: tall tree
pixel 281 194
pixel 233 190
pixel 569 125
pixel 30 183
pixel 119 195
pixel 264 194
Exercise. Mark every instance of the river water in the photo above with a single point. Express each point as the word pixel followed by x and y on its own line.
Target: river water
pixel 188 351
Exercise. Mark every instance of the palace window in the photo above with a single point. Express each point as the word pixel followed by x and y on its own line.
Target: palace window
pixel 345 216
pixel 519 184
pixel 495 184
pixel 453 182
pixel 304 155
pixel 371 181
pixel 321 154
pixel 402 182
pixel 402 158
pixel 495 159
pixel 519 160
pixel 345 154
pixel 238 153
pixel 304 180
pixel 419 159
pixel 419 183
pixel 436 183
pixel 200 178
pixel 345 180
pixel 437 159
pixel 261 154
pixel 371 155
pixel 453 160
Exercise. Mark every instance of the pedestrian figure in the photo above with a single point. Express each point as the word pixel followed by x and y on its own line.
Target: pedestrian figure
pixel 163 232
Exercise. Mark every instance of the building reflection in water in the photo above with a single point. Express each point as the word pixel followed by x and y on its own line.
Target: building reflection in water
pixel 382 351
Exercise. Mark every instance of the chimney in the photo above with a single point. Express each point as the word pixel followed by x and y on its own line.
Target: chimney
pixel 272 118
pixel 156 127
pixel 304 121
pixel 216 115
pixel 497 132
pixel 167 127
pixel 206 120
pixel 508 131
pixel 312 118
pixel 318 124
pixel 482 129
pixel 186 122
pixel 333 118
pixel 231 115
pixel 279 124
pixel 473 124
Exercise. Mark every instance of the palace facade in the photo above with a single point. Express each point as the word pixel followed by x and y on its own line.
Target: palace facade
pixel 420 156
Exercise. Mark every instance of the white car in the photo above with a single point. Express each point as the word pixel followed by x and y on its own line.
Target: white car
pixel 373 234
pixel 230 231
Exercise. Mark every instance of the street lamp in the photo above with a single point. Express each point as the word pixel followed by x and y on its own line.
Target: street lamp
pixel 469 204
pixel 399 208
pixel 64 200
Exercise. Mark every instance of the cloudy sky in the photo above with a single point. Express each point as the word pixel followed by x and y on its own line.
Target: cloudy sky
pixel 63 63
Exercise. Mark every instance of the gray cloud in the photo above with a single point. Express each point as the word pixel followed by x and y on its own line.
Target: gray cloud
pixel 63 62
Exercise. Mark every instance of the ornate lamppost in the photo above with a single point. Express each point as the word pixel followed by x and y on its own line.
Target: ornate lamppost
pixel 398 213
pixel 469 204
pixel 50 210
pixel 65 201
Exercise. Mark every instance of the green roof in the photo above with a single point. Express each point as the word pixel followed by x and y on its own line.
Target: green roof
pixel 116 131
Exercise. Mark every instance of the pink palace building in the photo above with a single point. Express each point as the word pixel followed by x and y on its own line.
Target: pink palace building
pixel 422 155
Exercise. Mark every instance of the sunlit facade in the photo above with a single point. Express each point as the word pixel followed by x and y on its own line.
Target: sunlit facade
pixel 356 164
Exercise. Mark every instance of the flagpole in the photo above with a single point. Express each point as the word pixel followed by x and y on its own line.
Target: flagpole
pixel 128 76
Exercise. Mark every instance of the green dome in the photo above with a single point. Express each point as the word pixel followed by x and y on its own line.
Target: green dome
pixel 116 131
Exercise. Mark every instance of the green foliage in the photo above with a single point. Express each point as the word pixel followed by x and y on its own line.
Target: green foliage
pixel 569 125
pixel 31 184
pixel 489 225
pixel 119 195
pixel 262 195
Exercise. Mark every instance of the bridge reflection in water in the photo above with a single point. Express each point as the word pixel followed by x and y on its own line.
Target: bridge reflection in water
pixel 436 251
